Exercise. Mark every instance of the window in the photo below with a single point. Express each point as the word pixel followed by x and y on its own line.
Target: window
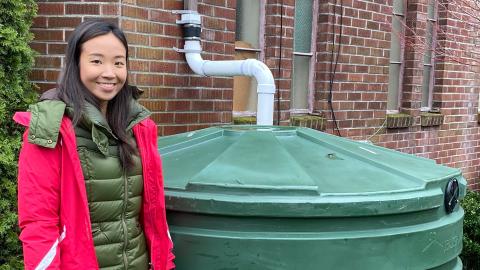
pixel 429 57
pixel 303 51
pixel 249 41
pixel 396 56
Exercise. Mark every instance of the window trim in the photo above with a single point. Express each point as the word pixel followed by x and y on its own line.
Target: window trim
pixel 403 15
pixel 247 49
pixel 433 47
pixel 260 53
pixel 311 68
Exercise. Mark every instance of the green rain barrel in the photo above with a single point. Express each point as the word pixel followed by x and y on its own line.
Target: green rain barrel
pixel 287 198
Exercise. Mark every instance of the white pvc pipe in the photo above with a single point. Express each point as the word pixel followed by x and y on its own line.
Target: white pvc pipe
pixel 248 67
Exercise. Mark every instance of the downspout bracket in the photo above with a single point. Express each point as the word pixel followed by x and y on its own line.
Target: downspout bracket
pixel 186 50
pixel 188 17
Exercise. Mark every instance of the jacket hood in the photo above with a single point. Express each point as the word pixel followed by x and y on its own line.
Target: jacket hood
pixel 51 94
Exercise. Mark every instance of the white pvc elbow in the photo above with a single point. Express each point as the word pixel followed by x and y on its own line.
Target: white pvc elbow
pixel 248 67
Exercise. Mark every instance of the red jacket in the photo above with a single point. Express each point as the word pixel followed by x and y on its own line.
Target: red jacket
pixel 52 202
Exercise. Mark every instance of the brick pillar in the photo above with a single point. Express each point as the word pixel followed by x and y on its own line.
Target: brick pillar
pixel 279 52
pixel 359 89
pixel 415 46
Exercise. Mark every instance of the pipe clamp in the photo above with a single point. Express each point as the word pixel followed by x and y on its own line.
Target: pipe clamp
pixel 188 17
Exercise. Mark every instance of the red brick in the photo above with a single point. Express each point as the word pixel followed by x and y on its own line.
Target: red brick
pixel 111 9
pixel 178 105
pixel 154 105
pixel 137 39
pixel 149 53
pixel 188 93
pixel 134 12
pixel 39 22
pixel 163 118
pixel 150 3
pixel 47 62
pixel 149 27
pixel 210 118
pixel 170 130
pixel 202 105
pixel 138 65
pixel 48 35
pixel 162 15
pixel 51 9
pixel 39 47
pixel 90 9
pixel 64 22
pixel 52 75
pixel 186 118
pixel 162 93
pixel 37 75
pixel 57 48
pixel 163 67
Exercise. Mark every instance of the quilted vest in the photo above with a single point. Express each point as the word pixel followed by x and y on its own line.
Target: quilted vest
pixel 114 196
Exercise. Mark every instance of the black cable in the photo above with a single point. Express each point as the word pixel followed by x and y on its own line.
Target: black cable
pixel 333 68
pixel 279 63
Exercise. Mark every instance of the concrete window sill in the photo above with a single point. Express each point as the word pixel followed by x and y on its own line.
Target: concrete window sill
pixel 309 121
pixel 399 120
pixel 431 119
pixel 245 120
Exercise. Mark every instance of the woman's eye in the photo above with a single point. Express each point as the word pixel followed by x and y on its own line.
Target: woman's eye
pixel 96 61
pixel 119 64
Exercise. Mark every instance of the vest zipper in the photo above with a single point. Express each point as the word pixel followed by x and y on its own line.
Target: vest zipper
pixel 124 224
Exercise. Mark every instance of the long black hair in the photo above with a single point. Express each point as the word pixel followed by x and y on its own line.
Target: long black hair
pixel 72 91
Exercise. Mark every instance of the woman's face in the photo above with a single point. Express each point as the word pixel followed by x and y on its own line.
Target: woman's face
pixel 103 67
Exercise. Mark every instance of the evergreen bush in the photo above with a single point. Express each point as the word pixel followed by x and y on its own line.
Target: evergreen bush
pixel 16 92
pixel 471 230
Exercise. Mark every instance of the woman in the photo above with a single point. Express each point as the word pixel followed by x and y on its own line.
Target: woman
pixel 90 179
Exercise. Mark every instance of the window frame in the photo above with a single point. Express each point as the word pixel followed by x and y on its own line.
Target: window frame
pixel 431 47
pixel 260 53
pixel 311 69
pixel 401 62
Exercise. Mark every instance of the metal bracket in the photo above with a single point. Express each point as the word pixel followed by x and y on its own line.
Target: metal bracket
pixel 186 51
pixel 188 16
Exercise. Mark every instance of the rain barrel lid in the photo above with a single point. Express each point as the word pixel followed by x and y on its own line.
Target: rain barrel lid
pixel 295 172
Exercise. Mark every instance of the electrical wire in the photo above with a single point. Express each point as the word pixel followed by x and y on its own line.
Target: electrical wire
pixel 383 126
pixel 333 68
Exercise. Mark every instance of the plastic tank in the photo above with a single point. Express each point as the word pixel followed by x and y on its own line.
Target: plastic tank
pixel 286 198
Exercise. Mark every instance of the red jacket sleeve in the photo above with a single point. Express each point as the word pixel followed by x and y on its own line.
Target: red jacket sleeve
pixel 39 204
pixel 170 256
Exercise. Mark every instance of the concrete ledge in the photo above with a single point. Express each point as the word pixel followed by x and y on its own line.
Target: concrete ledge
pixel 431 119
pixel 245 120
pixel 309 121
pixel 399 120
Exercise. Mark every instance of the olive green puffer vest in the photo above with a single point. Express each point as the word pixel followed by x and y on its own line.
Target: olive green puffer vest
pixel 114 197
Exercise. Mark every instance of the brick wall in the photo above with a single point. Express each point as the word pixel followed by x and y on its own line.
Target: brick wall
pixel 360 88
pixel 181 101
pixel 178 100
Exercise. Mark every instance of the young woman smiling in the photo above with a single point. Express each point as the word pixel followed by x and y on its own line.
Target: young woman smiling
pixel 90 178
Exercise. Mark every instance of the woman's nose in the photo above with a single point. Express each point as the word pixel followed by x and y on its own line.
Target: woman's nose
pixel 108 72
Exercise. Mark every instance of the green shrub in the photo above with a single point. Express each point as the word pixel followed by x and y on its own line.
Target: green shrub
pixel 471 230
pixel 16 92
